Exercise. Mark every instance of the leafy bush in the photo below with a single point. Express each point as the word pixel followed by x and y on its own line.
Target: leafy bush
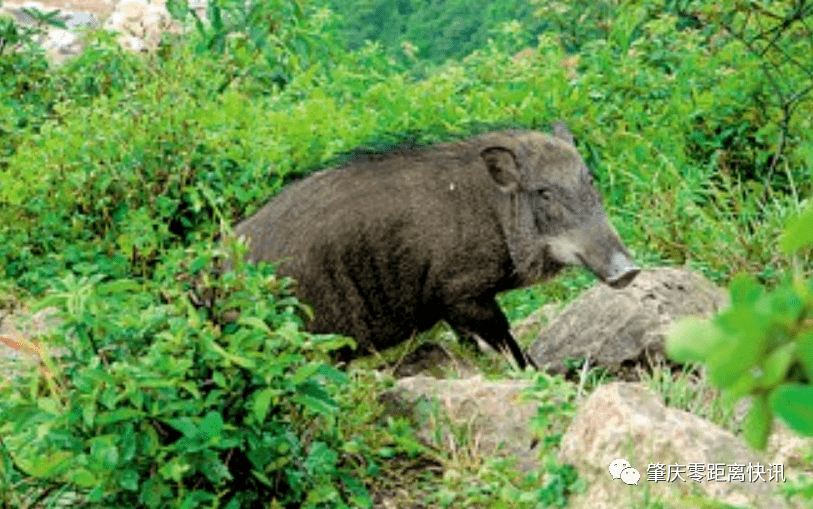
pixel 155 403
pixel 259 45
pixel 434 30
pixel 762 346
pixel 31 87
pixel 24 85
pixel 208 154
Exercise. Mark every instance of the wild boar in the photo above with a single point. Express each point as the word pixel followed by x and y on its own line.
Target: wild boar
pixel 391 243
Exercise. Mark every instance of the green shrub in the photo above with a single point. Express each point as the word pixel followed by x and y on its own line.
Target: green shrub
pixel 155 403
pixel 761 346
pixel 25 95
pixel 260 46
pixel 31 87
pixel 418 31
pixel 183 153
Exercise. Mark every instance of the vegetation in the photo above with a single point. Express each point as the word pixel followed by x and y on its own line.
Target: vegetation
pixel 435 30
pixel 119 173
pixel 201 418
pixel 761 346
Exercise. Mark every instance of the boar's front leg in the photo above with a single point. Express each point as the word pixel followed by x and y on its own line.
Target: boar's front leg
pixel 484 318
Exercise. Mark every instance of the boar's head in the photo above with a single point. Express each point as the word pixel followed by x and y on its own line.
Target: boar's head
pixel 550 209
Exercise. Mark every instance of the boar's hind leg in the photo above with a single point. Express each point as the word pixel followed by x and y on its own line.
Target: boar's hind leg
pixel 484 318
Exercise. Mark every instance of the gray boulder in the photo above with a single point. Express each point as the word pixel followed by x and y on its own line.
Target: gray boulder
pixel 494 415
pixel 625 421
pixel 619 329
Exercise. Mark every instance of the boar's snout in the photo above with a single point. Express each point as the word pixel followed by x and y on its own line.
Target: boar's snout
pixel 622 270
pixel 597 247
pixel 607 257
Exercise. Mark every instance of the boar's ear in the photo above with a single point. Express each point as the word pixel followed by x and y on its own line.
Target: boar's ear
pixel 503 168
pixel 561 131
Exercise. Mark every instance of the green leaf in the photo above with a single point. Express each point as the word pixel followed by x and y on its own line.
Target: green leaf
pixel 44 467
pixel 785 305
pixel 691 339
pixel 743 386
pixel 386 452
pixel 174 469
pixel 330 342
pixel 743 347
pixel 197 499
pixel 794 404
pixel 745 290
pixel 128 479
pixel 236 359
pixel 359 496
pixel 757 424
pixel 198 264
pixel 184 425
pixel 332 374
pixel 262 402
pixel 96 494
pixel 321 458
pixel 254 322
pixel 219 379
pixel 776 365
pixel 798 232
pixel 804 344
pixel 304 373
pixel 104 455
pixel 83 478
pixel 262 477
pixel 153 492
pixel 234 504
pixel 311 395
pixel 127 443
pixel 89 412
pixel 118 415
pixel 50 405
pixel 725 364
pixel 211 424
pixel 118 286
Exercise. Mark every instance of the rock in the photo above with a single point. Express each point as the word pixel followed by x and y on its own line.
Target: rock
pixel 80 20
pixel 626 421
pixel 534 323
pixel 58 43
pixel 619 329
pixel 433 360
pixel 392 499
pixel 494 413
pixel 140 23
pixel 28 325
pixel 789 449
